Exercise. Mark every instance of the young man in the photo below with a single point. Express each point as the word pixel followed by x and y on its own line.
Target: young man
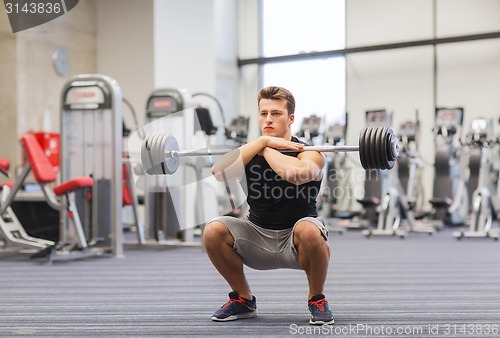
pixel 282 229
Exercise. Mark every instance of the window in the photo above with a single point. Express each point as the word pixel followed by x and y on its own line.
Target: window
pixel 317 85
pixel 302 26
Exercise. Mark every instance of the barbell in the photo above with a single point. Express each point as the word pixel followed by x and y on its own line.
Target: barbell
pixel 378 149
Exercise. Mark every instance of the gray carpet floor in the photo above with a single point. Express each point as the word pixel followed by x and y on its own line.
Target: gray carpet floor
pixel 421 286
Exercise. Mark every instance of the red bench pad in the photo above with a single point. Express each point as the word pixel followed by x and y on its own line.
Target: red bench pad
pixel 4 164
pixel 9 184
pixel 40 164
pixel 73 184
pixel 126 194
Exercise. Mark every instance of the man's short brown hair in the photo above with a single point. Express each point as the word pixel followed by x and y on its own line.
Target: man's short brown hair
pixel 278 93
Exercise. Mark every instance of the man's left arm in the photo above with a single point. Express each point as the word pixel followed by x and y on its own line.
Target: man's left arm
pixel 306 167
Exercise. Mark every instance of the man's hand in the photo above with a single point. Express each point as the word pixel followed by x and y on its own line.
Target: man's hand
pixel 229 165
pixel 232 164
pixel 281 143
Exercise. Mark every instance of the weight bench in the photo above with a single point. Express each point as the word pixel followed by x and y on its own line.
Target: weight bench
pixel 44 174
pixel 12 233
pixel 4 166
pixel 11 230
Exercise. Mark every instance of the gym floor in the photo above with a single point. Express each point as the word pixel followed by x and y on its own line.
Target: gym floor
pixel 419 286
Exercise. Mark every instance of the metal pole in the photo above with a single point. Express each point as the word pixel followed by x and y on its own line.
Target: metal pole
pixel 209 152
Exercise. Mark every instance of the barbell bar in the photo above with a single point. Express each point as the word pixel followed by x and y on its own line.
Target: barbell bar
pixel 378 149
pixel 215 152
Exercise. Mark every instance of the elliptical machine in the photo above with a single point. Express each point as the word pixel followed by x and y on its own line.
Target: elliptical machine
pixel 450 202
pixel 375 180
pixel 410 165
pixel 396 217
pixel 483 212
pixel 336 191
pixel 234 135
pixel 310 129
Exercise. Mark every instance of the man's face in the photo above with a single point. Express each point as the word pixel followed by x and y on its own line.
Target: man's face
pixel 273 118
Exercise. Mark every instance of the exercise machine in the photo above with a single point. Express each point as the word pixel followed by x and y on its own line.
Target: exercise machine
pixel 13 235
pixel 4 167
pixel 450 203
pixel 204 104
pixel 171 209
pixel 336 194
pixel 91 145
pixel 163 220
pixel 237 131
pixel 234 134
pixel 411 165
pixel 396 216
pixel 410 175
pixel 375 180
pixel 60 197
pixel 310 129
pixel 483 212
pixel 131 220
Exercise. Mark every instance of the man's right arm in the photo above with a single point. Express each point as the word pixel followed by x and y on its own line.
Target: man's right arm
pixel 232 164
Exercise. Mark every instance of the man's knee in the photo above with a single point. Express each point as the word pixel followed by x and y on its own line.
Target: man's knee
pixel 215 233
pixel 307 233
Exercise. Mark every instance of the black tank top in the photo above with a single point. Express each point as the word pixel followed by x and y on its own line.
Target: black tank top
pixel 275 203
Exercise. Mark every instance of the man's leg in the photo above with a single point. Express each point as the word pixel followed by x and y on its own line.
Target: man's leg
pixel 314 255
pixel 219 245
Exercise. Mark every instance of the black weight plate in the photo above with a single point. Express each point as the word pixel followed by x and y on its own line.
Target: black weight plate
pixel 374 148
pixel 368 146
pixel 362 148
pixel 394 144
pixel 383 154
pixel 385 148
pixel 385 151
pixel 382 148
pixel 391 148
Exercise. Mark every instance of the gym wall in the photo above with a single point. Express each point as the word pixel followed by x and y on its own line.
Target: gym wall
pixel 8 91
pixel 143 44
pixel 187 44
pixel 30 89
pixel 125 50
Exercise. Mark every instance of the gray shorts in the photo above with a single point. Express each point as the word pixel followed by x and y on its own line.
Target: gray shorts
pixel 265 249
